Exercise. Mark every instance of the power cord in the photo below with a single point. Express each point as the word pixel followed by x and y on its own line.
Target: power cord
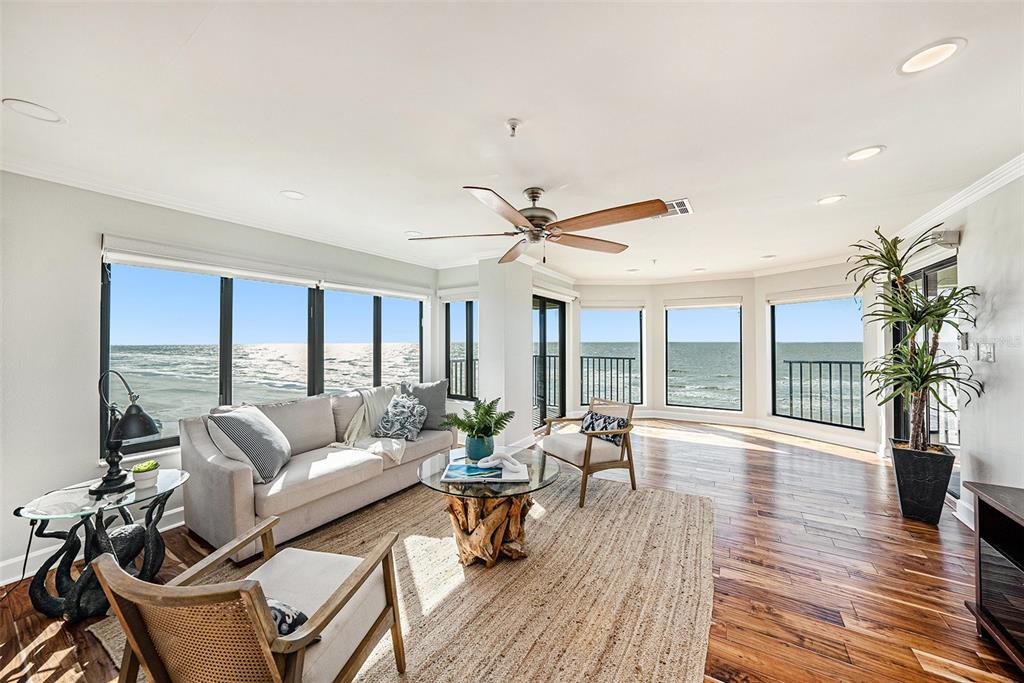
pixel 24 562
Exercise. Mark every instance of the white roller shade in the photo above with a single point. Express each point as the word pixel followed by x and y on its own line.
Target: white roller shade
pixel 704 302
pixel 813 294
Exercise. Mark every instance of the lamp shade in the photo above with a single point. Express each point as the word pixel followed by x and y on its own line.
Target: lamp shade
pixel 134 424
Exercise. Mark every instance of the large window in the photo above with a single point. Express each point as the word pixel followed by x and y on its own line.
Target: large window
pixel 611 356
pixel 703 367
pixel 400 340
pixel 163 332
pixel 188 342
pixel 818 361
pixel 269 331
pixel 462 335
pixel 348 340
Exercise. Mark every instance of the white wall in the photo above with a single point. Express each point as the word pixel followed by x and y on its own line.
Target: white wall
pixel 991 257
pixel 49 361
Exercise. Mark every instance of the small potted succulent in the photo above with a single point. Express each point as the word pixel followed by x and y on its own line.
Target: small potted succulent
pixel 145 473
pixel 481 425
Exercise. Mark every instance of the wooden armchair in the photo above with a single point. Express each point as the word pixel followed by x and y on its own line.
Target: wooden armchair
pixel 183 633
pixel 589 453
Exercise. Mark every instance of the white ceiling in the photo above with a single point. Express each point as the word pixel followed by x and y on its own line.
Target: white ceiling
pixel 381 112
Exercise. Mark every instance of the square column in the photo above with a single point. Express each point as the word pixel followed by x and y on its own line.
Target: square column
pixel 506 342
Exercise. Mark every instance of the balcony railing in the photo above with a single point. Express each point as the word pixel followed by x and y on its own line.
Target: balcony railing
pixel 826 391
pixel 457 377
pixel 610 378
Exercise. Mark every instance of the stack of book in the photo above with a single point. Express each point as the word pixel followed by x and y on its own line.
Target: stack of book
pixel 467 473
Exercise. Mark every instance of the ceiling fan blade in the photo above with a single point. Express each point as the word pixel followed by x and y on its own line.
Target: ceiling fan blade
pixel 591 243
pixel 515 252
pixel 620 214
pixel 499 206
pixel 448 237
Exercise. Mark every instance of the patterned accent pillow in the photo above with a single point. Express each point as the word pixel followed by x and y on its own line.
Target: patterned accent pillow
pixel 247 435
pixel 403 418
pixel 286 618
pixel 596 422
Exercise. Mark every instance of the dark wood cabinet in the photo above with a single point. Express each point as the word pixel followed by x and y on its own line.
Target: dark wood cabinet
pixel 998 604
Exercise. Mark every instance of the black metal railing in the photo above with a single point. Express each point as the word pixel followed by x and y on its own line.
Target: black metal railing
pixel 551 378
pixel 826 391
pixel 457 378
pixel 609 377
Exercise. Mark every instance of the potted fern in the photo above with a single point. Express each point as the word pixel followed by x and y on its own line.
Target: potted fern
pixel 916 367
pixel 481 425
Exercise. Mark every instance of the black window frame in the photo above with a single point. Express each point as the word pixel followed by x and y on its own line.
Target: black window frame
pixel 739 308
pixel 640 320
pixel 469 358
pixel 314 350
pixel 775 412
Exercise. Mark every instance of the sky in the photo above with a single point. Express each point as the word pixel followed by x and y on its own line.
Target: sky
pixel 155 306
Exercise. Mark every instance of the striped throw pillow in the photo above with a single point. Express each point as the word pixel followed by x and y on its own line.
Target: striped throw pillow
pixel 247 435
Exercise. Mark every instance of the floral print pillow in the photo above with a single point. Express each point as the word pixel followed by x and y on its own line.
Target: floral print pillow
pixel 403 419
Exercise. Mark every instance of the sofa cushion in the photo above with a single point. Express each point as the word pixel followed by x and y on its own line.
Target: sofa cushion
pixel 308 422
pixel 305 579
pixel 433 396
pixel 344 407
pixel 429 442
pixel 313 475
pixel 403 418
pixel 570 446
pixel 247 435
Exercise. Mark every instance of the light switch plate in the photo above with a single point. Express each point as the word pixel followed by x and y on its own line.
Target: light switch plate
pixel 987 353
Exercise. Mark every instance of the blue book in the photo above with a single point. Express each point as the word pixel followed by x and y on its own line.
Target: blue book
pixel 462 473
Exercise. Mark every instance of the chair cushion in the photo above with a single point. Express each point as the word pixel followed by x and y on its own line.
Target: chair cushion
pixel 305 579
pixel 345 407
pixel 403 418
pixel 247 435
pixel 307 422
pixel 313 475
pixel 431 395
pixel 596 422
pixel 427 443
pixel 570 446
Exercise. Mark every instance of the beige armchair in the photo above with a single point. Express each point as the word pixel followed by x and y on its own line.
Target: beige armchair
pixel 589 453
pixel 181 632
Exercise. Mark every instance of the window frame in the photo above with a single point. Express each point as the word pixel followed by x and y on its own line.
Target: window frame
pixel 739 308
pixel 314 350
pixel 640 310
pixel 469 357
pixel 774 370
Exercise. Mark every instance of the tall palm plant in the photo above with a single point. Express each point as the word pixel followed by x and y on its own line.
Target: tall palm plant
pixel 916 367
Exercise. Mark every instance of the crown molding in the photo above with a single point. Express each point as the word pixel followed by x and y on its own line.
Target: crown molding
pixel 1000 177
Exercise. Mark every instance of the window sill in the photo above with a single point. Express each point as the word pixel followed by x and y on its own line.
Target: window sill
pixel 155 454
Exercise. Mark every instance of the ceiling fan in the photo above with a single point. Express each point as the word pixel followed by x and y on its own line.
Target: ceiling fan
pixel 535 224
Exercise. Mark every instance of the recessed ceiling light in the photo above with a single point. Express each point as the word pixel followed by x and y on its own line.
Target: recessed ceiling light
pixel 699 270
pixel 292 194
pixel 632 270
pixel 36 111
pixel 413 233
pixel 931 55
pixel 768 257
pixel 831 199
pixel 865 153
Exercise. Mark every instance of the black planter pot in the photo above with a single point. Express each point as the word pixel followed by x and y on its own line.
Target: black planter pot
pixel 922 478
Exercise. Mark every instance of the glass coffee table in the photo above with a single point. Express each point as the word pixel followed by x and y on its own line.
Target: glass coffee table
pixel 488 519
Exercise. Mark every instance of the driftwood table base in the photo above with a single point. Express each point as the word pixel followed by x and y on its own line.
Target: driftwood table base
pixel 489 528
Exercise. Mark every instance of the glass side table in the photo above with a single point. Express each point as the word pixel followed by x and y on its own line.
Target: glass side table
pixel 83 597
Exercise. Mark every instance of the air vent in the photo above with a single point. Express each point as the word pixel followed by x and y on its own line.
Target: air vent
pixel 677 207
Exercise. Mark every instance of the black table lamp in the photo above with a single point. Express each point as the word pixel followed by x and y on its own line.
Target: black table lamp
pixel 133 423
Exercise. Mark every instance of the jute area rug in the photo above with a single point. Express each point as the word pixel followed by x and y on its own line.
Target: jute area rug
pixel 618 591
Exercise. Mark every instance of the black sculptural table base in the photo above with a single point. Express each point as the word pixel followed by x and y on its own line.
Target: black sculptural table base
pixel 81 598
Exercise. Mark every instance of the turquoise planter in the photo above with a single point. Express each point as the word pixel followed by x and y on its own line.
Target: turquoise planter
pixel 478 447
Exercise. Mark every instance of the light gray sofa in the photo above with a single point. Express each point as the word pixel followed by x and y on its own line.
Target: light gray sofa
pixel 317 485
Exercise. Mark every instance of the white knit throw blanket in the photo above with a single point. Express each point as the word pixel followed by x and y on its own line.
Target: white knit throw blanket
pixel 360 431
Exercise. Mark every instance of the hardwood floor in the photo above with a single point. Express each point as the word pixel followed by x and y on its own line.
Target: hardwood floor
pixel 817 578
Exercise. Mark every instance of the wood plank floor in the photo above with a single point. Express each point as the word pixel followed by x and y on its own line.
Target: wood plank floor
pixel 817 578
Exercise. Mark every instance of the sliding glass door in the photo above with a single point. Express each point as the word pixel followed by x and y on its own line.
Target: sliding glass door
pixel 548 359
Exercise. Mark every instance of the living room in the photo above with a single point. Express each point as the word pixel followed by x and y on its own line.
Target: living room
pixel 299 248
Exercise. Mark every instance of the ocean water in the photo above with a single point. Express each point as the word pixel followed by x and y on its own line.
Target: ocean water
pixel 182 381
